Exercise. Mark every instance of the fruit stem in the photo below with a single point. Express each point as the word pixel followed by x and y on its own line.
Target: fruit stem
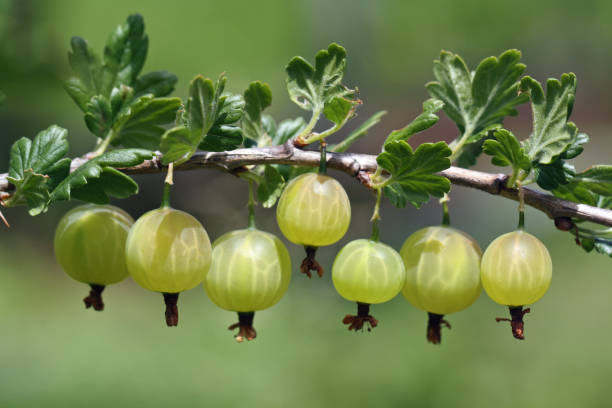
pixel 310 263
pixel 323 163
pixel 171 300
pixel 95 297
pixel 375 217
pixel 516 321
pixel 244 326
pixel 445 214
pixel 434 327
pixel 251 206
pixel 363 316
pixel 521 195
pixel 167 183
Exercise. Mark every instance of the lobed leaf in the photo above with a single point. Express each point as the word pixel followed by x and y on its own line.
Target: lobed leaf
pixel 96 180
pixel 36 166
pixel 422 122
pixel 413 174
pixel 270 187
pixel 257 97
pixel 506 150
pixel 312 87
pixel 552 133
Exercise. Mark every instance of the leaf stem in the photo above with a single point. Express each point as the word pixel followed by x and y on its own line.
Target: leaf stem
pixel 457 144
pixel 375 217
pixel 103 144
pixel 251 206
pixel 302 138
pixel 167 183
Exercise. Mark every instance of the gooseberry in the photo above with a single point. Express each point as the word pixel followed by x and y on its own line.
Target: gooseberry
pixel 313 211
pixel 168 251
pixel 442 274
pixel 250 271
pixel 90 247
pixel 367 272
pixel 516 270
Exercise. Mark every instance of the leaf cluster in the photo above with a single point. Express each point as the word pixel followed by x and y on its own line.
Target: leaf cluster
pixel 121 106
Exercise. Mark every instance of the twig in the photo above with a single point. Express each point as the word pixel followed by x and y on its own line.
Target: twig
pixel 360 166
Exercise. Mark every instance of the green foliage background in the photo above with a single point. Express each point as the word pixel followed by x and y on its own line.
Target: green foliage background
pixel 54 353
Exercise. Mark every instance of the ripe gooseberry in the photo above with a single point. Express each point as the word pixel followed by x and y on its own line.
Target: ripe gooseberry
pixel 168 251
pixel 313 211
pixel 442 274
pixel 367 272
pixel 516 270
pixel 250 271
pixel 90 246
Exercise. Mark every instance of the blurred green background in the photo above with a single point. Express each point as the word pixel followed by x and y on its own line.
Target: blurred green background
pixel 54 353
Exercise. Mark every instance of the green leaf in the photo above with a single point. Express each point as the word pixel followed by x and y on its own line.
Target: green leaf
pixel 312 87
pixel 257 97
pixel 472 150
pixel 422 122
pixel 576 147
pixel 35 166
pixel 475 101
pixel 98 116
pixel 156 83
pixel 177 144
pixel 270 187
pixel 140 124
pixel 206 113
pixel 415 171
pixel 96 180
pixel 288 129
pixel 506 151
pixel 550 176
pixel 339 109
pixel 358 133
pixel 124 54
pixel 597 179
pixel 552 133
pixel 87 69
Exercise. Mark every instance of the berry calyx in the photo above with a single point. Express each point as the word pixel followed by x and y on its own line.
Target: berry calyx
pixel 363 317
pixel 435 322
pixel 516 322
pixel 244 326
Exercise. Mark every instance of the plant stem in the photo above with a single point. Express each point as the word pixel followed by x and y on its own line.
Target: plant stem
pixel 375 217
pixel 445 214
pixel 323 163
pixel 521 195
pixel 103 145
pixel 251 206
pixel 167 183
pixel 302 138
pixel 457 145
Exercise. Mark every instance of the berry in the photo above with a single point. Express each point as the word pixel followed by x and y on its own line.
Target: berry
pixel 90 246
pixel 250 271
pixel 516 270
pixel 367 272
pixel 168 251
pixel 442 274
pixel 313 211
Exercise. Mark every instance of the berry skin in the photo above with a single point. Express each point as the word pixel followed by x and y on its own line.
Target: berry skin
pixel 250 271
pixel 367 272
pixel 442 274
pixel 516 270
pixel 313 210
pixel 442 270
pixel 90 246
pixel 168 251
